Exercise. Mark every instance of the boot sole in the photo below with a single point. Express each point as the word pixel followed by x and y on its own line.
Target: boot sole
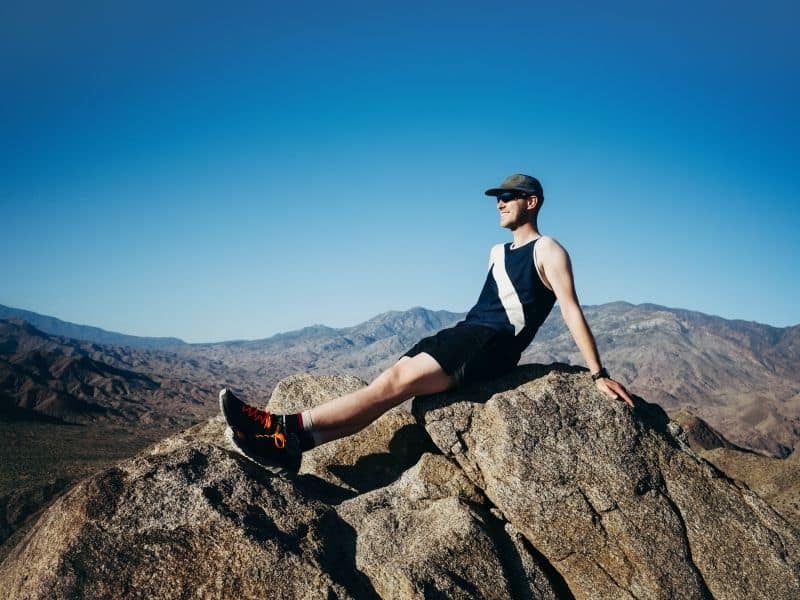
pixel 275 469
pixel 222 394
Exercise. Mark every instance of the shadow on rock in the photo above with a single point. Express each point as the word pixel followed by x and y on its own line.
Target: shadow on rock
pixel 317 488
pixel 340 559
pixel 377 470
pixel 523 580
pixel 652 416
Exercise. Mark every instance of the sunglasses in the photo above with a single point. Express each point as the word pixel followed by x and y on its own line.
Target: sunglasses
pixel 508 196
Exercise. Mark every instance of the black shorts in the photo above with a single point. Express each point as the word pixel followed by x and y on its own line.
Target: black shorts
pixel 470 352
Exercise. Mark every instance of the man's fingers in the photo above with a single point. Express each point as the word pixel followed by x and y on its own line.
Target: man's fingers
pixel 617 392
pixel 626 397
pixel 612 395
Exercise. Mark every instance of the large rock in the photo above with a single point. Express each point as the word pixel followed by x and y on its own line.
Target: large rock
pixel 615 500
pixel 547 490
pixel 190 518
pixel 187 519
pixel 429 534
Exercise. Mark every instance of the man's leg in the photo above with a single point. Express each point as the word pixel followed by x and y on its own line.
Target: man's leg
pixel 408 377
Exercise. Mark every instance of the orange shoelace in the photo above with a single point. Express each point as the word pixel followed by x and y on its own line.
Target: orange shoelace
pixel 277 437
pixel 264 418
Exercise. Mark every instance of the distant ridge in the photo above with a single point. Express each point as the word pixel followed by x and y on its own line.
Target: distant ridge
pixel 54 326
pixel 739 376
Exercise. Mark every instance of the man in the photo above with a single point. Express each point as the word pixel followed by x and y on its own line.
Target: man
pixel 525 279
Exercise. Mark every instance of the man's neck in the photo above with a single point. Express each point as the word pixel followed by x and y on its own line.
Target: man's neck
pixel 524 234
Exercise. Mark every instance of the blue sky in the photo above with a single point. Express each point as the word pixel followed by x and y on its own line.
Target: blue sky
pixel 230 171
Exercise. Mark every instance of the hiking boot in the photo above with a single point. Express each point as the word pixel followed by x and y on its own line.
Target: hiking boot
pixel 278 453
pixel 245 418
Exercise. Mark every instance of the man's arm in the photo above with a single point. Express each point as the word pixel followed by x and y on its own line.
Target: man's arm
pixel 558 272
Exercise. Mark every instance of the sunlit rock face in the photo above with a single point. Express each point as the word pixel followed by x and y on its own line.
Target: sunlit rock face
pixel 532 486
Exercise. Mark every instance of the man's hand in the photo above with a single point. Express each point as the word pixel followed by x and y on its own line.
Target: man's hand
pixel 613 390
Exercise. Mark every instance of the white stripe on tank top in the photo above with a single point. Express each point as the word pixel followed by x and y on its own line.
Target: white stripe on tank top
pixel 505 289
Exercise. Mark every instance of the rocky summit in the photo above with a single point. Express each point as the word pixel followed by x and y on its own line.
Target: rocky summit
pixel 531 486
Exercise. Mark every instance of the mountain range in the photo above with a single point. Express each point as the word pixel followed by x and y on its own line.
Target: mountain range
pixel 56 326
pixel 739 376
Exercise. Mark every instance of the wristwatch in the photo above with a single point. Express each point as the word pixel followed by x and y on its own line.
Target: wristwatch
pixel 601 373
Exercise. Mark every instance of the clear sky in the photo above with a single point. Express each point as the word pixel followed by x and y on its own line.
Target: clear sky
pixel 216 171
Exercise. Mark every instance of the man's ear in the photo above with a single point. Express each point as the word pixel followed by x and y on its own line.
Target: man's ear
pixel 533 201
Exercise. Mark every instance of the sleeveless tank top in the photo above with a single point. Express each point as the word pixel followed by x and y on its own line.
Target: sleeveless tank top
pixel 514 299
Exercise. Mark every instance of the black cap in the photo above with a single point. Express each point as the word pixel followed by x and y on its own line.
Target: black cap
pixel 519 183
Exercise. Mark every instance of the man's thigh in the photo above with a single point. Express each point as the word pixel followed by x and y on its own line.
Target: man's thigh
pixel 465 352
pixel 423 374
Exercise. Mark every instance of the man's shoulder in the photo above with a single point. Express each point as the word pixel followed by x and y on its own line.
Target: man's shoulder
pixel 549 251
pixel 548 243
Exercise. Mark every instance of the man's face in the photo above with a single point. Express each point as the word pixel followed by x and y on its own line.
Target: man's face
pixel 513 208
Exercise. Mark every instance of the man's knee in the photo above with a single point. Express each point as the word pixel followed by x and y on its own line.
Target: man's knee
pixel 403 374
pixel 417 375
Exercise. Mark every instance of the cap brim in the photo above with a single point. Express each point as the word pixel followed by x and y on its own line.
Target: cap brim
pixel 498 191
